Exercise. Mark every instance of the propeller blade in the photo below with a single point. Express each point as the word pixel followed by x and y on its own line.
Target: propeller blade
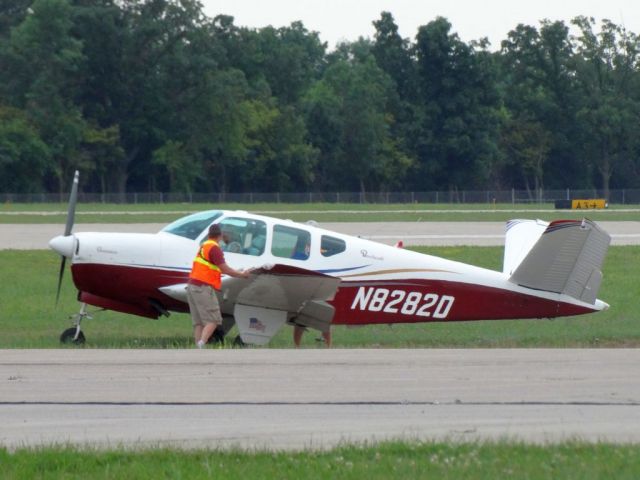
pixel 71 213
pixel 60 275
pixel 73 199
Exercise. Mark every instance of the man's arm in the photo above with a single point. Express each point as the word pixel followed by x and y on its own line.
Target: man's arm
pixel 216 256
pixel 227 270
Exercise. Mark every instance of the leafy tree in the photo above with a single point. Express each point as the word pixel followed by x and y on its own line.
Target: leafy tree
pixel 147 65
pixel 290 58
pixel 458 111
pixel 101 153
pixel 152 94
pixel 351 101
pixel 216 128
pixel 322 109
pixel 23 155
pixel 12 13
pixel 43 61
pixel 608 72
pixel 393 56
pixel 527 144
pixel 539 78
pixel 179 165
pixel 278 156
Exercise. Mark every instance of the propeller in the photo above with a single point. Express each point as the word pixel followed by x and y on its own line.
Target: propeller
pixel 60 242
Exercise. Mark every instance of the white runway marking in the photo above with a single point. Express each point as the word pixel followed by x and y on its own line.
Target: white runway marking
pixel 295 399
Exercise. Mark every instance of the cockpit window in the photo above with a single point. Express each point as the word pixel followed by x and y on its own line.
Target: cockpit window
pixel 243 235
pixel 193 225
pixel 330 246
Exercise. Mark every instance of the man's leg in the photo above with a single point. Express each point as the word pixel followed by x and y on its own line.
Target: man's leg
pixel 297 334
pixel 207 331
pixel 214 317
pixel 194 309
pixel 197 332
pixel 327 337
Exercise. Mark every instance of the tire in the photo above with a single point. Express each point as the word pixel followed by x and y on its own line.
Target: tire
pixel 68 335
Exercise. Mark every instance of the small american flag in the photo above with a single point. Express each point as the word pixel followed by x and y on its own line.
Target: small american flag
pixel 256 324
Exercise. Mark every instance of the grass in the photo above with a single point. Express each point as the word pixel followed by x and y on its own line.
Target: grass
pixel 569 460
pixel 29 318
pixel 321 212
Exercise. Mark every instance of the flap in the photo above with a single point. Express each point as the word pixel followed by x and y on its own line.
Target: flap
pixel 258 325
pixel 280 287
pixel 315 314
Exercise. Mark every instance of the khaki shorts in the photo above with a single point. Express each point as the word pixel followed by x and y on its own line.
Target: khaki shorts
pixel 203 304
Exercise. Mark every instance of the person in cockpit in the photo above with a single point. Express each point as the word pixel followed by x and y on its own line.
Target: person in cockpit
pixel 302 249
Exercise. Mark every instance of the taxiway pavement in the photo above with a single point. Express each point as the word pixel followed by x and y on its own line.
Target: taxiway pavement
pixel 297 399
pixel 37 236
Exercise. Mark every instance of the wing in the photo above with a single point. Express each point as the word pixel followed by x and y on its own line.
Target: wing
pixel 273 295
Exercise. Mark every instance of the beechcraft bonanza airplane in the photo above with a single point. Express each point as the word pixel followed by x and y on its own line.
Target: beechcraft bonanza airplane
pixel 550 270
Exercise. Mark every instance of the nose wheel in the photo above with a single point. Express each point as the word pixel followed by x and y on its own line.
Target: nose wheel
pixel 74 335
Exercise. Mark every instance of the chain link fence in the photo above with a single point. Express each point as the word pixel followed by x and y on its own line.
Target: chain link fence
pixel 620 197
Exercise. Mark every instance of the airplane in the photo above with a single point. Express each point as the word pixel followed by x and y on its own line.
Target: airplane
pixel 308 276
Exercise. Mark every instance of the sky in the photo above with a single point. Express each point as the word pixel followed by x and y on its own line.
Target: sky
pixel 339 20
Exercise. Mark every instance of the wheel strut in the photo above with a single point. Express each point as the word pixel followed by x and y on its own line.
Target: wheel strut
pixel 74 334
pixel 77 319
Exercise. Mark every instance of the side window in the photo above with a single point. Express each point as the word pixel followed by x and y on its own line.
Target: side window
pixel 330 246
pixel 243 235
pixel 290 242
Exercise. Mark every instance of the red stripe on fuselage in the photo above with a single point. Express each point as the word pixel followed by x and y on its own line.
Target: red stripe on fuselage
pixel 131 285
pixel 413 301
pixel 136 285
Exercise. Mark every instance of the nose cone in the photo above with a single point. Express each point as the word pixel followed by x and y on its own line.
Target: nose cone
pixel 63 245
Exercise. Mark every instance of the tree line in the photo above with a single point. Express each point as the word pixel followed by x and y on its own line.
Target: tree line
pixel 153 95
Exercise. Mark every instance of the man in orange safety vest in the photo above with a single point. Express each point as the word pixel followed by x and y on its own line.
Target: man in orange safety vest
pixel 205 278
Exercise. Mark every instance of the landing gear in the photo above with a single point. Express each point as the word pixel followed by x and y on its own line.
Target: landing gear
pixel 74 335
pixel 217 338
pixel 219 334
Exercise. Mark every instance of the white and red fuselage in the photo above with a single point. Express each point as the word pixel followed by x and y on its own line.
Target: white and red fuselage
pixel 379 284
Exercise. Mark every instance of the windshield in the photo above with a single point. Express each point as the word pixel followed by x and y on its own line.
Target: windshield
pixel 192 226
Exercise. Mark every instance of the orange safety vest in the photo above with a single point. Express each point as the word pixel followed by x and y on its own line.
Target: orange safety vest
pixel 205 271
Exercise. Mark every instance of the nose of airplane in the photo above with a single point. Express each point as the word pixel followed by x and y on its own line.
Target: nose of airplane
pixel 64 245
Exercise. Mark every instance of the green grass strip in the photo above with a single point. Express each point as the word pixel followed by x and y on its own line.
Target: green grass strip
pixel 30 319
pixel 405 460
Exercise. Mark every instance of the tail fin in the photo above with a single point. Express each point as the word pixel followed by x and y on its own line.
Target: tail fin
pixel 566 258
pixel 520 238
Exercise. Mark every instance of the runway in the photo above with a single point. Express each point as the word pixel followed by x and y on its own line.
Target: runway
pixel 37 236
pixel 298 399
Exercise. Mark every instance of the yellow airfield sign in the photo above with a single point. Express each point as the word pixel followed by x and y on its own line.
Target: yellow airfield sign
pixel 588 204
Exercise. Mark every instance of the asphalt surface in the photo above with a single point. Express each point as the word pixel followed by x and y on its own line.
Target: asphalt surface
pixel 37 236
pixel 298 399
